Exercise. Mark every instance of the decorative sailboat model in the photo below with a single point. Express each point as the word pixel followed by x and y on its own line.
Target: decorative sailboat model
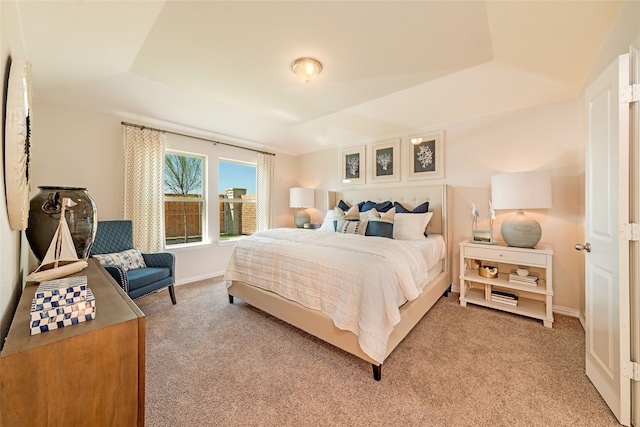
pixel 61 258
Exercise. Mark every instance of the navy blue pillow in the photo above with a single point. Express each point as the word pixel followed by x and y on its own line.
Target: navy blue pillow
pixel 380 207
pixel 423 208
pixel 380 229
pixel 342 205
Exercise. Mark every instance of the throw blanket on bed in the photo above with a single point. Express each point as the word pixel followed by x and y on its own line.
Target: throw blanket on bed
pixel 353 279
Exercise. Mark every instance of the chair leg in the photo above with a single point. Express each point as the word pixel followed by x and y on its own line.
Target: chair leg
pixel 172 294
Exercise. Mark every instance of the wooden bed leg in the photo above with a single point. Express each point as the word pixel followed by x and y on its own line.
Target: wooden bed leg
pixel 377 372
pixel 230 299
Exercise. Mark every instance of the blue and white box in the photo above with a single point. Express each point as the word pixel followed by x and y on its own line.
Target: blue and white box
pixel 64 315
pixel 64 288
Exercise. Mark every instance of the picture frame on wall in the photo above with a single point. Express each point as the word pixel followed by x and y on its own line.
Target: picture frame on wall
pixel 385 161
pixel 425 156
pixel 353 165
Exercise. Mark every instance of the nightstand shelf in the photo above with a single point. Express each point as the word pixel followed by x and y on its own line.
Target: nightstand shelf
pixel 533 301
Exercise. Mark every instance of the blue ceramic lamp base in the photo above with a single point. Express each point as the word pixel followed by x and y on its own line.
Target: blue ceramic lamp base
pixel 301 218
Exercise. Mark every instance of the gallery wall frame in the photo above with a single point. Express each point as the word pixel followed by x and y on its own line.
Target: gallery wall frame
pixel 385 161
pixel 425 156
pixel 353 165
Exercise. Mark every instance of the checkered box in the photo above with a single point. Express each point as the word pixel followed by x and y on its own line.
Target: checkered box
pixel 58 301
pixel 65 315
pixel 72 319
pixel 64 288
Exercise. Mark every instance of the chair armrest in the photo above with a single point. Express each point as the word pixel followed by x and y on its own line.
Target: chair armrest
pixel 161 259
pixel 119 275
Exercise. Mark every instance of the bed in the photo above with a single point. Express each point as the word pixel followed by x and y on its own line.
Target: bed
pixel 271 295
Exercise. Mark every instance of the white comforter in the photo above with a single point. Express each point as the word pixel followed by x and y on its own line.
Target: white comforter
pixel 353 279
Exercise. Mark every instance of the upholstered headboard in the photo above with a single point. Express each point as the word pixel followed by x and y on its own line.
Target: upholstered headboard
pixel 438 196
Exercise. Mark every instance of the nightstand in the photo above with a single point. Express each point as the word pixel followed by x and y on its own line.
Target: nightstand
pixel 533 300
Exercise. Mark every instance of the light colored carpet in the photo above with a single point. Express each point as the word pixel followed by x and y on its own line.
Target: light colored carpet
pixel 210 363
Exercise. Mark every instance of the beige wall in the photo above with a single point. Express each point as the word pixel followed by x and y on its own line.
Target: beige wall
pixel 543 137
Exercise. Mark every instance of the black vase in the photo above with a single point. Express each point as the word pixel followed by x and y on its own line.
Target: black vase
pixel 44 217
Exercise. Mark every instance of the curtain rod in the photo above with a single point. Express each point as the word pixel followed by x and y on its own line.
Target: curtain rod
pixel 195 137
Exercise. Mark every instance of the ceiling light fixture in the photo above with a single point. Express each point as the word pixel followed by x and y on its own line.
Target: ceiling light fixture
pixel 416 141
pixel 307 69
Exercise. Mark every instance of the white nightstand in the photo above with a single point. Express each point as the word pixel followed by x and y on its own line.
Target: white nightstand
pixel 534 300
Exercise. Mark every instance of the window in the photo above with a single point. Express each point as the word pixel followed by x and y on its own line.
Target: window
pixel 184 200
pixel 237 194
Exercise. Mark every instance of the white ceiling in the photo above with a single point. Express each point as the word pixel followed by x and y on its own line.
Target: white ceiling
pixel 221 69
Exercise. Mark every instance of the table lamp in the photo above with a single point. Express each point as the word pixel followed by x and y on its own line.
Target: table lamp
pixel 301 198
pixel 521 190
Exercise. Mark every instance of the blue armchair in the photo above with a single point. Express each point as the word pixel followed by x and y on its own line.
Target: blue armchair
pixel 117 236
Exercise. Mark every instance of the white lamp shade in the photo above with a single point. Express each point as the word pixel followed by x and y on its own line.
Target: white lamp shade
pixel 521 190
pixel 301 197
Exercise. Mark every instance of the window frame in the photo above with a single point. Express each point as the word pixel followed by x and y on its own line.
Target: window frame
pixel 202 199
pixel 254 201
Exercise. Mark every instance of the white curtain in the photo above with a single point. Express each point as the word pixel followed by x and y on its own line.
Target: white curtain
pixel 265 197
pixel 144 186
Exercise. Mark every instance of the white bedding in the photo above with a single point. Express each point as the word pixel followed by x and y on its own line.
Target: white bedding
pixel 358 281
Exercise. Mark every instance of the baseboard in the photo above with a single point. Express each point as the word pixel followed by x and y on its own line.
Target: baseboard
pixel 192 279
pixel 566 311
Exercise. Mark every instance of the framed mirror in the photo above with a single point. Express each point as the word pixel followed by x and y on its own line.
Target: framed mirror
pixel 18 121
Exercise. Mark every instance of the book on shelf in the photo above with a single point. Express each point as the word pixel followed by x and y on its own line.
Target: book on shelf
pixel 524 280
pixel 503 294
pixel 502 297
pixel 505 301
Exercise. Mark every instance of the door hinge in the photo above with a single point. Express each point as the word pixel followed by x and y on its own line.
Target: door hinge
pixel 631 370
pixel 629 231
pixel 630 94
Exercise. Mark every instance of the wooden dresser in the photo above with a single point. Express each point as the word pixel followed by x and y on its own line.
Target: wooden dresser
pixel 92 373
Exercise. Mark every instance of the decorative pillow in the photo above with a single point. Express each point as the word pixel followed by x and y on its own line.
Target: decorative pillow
pixel 339 215
pixel 423 208
pixel 364 220
pixel 348 227
pixel 411 226
pixel 353 213
pixel 342 205
pixel 380 225
pixel 380 207
pixel 128 260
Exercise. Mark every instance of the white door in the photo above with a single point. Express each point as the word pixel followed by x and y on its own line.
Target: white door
pixel 607 264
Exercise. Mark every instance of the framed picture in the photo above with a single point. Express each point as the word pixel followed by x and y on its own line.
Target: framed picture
pixel 425 156
pixel 353 165
pixel 484 237
pixel 385 161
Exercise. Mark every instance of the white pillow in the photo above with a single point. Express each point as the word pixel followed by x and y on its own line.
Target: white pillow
pixel 411 226
pixel 327 224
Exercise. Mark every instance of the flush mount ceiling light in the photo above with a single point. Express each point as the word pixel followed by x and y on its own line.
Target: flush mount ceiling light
pixel 307 69
pixel 416 141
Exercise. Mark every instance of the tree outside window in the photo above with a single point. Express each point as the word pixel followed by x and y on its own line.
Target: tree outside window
pixel 185 204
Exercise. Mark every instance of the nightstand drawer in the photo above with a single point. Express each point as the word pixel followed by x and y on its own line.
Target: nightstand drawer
pixel 508 256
